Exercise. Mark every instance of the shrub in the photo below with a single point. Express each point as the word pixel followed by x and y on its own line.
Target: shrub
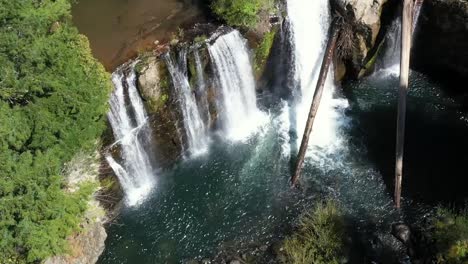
pixel 450 234
pixel 319 238
pixel 242 13
pixel 53 96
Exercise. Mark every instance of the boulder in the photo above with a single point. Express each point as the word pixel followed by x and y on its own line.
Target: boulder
pixel 402 232
pixel 361 28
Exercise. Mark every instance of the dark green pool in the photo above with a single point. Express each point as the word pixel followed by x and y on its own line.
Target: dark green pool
pixel 239 194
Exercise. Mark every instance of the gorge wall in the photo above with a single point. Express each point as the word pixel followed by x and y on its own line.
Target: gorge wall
pixel 441 39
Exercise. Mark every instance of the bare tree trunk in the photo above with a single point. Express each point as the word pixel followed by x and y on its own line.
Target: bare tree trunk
pixel 327 58
pixel 406 36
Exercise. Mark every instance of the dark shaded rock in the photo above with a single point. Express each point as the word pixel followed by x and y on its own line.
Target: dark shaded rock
pixel 402 232
pixel 441 37
pixel 154 85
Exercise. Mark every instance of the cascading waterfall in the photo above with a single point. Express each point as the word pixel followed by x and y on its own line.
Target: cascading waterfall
pixel 203 104
pixel 196 131
pixel 129 124
pixel 237 104
pixel 309 24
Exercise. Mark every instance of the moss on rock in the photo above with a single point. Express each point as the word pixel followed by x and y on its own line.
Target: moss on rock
pixel 262 52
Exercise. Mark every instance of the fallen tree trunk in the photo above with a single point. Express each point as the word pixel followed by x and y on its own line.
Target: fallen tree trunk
pixel 327 58
pixel 406 37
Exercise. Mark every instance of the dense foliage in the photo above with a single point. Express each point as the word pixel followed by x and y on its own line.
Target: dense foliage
pixel 52 103
pixel 450 234
pixel 319 238
pixel 240 12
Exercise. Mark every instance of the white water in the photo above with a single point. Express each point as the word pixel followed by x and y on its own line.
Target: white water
pixel 310 21
pixel 132 133
pixel 389 64
pixel 203 104
pixel 196 131
pixel 237 107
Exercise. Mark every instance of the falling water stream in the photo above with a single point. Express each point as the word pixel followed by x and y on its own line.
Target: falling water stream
pixel 131 130
pixel 237 193
pixel 195 128
pixel 238 105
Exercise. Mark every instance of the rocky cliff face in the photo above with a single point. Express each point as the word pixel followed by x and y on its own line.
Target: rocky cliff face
pixel 441 38
pixel 361 27
pixel 88 244
pixel 158 90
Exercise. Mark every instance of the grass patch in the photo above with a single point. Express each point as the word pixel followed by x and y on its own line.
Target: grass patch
pixel 319 238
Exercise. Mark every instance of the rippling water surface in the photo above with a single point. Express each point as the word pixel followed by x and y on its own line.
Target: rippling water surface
pixel 238 193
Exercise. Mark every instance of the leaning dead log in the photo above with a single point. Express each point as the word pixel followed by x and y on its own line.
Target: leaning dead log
pixel 406 37
pixel 327 59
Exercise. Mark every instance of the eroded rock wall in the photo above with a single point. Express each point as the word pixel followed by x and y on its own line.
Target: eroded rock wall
pixel 361 27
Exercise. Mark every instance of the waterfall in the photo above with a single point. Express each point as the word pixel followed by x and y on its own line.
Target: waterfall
pixel 196 131
pixel 237 104
pixel 389 64
pixel 202 90
pixel 129 124
pixel 310 21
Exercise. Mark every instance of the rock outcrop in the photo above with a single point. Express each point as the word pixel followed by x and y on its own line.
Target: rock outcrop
pixel 362 24
pixel 441 38
pixel 154 84
pixel 88 243
pixel 160 96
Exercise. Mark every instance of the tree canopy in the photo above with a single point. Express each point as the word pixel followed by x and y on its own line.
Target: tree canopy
pixel 53 96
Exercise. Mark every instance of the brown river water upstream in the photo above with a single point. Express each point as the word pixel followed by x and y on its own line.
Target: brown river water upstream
pixel 119 29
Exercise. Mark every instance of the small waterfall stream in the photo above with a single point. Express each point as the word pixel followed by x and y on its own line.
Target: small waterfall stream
pixel 389 63
pixel 129 123
pixel 239 113
pixel 196 131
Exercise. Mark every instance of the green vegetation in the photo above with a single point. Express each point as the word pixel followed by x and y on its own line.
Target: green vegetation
pixel 200 39
pixel 53 96
pixel 243 13
pixel 450 234
pixel 319 238
pixel 262 52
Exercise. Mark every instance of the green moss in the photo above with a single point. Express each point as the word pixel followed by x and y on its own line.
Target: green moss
pixel 319 238
pixel 263 50
pixel 450 234
pixel 200 39
pixel 164 86
pixel 192 68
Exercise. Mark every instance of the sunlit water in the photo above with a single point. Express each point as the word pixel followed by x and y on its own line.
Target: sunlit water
pixel 239 193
